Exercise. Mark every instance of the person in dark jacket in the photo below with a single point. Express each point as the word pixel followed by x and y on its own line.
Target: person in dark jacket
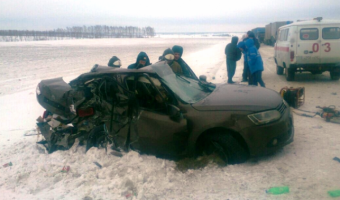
pixel 141 61
pixel 233 54
pixel 114 62
pixel 255 63
pixel 178 52
pixel 168 55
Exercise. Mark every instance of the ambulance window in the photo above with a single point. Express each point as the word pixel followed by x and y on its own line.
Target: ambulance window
pixel 286 35
pixel 309 34
pixel 280 35
pixel 283 35
pixel 331 33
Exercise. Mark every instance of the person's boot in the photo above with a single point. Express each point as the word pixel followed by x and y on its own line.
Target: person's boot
pixel 244 80
pixel 231 82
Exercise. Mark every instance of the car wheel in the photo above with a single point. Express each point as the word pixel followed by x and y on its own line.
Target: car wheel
pixel 279 70
pixel 290 74
pixel 335 75
pixel 226 147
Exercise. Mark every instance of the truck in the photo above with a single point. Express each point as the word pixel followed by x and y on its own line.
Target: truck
pixel 311 45
pixel 259 33
pixel 270 36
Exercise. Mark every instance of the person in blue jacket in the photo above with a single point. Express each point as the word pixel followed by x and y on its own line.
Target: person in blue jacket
pixel 141 61
pixel 254 62
pixel 246 73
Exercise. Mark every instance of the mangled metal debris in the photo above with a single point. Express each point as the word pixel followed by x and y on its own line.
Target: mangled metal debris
pixel 95 111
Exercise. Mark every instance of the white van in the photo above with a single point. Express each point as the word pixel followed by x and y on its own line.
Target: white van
pixel 312 46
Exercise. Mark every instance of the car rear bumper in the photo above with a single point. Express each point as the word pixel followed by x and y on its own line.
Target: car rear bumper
pixel 266 139
pixel 316 67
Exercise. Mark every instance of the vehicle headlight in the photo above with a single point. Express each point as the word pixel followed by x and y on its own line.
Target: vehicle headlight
pixel 265 117
pixel 38 90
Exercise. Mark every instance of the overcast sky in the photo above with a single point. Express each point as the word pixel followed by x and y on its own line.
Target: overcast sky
pixel 164 16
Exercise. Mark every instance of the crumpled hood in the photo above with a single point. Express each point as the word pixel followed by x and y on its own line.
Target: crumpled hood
pixel 239 97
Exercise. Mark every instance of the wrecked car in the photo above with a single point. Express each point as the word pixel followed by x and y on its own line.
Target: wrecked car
pixel 154 111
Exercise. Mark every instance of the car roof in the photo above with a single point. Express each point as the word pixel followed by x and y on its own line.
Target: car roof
pixel 100 70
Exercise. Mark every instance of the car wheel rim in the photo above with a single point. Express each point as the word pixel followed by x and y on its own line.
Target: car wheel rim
pixel 218 149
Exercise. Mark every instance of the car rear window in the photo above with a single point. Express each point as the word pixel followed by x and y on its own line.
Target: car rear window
pixel 309 34
pixel 331 33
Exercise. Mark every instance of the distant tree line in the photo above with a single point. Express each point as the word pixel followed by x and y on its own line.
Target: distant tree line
pixel 77 32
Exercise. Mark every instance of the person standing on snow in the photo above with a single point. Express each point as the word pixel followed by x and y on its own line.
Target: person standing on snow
pixel 246 76
pixel 251 35
pixel 243 48
pixel 168 55
pixel 178 52
pixel 141 61
pixel 233 54
pixel 114 62
pixel 255 63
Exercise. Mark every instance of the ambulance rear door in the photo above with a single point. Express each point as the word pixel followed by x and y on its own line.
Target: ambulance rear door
pixel 308 45
pixel 330 44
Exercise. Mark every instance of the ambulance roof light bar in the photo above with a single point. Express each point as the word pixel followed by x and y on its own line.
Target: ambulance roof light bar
pixel 318 18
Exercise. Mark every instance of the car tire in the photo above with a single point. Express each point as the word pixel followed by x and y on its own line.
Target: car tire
pixel 279 70
pixel 226 147
pixel 335 75
pixel 290 74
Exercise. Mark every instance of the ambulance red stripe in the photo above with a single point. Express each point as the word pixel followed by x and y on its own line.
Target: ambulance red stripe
pixel 286 49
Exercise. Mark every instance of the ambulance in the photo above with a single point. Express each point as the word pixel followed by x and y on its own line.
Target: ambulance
pixel 312 45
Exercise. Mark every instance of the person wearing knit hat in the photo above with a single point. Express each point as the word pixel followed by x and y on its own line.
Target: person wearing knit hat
pixel 114 62
pixel 168 55
pixel 141 61
pixel 178 52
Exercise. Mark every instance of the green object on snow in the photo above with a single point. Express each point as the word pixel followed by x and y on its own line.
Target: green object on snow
pixel 278 190
pixel 334 193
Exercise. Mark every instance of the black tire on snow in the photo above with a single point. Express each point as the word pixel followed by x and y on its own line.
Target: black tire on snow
pixel 279 70
pixel 290 74
pixel 233 152
pixel 335 75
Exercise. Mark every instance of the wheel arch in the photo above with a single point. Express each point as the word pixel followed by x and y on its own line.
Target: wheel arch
pixel 235 134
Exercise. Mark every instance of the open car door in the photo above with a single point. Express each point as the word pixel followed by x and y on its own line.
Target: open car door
pixel 158 131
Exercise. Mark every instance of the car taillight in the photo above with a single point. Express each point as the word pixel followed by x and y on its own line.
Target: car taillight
pixel 292 55
pixel 85 112
pixel 45 114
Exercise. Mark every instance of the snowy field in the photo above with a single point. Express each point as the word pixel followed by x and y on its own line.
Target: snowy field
pixel 306 165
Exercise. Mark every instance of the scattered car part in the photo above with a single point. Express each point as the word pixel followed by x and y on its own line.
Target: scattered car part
pixel 295 97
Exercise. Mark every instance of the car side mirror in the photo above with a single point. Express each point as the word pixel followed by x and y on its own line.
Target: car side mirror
pixel 174 113
pixel 203 78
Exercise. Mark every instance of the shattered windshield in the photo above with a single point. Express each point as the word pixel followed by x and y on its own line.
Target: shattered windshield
pixel 187 89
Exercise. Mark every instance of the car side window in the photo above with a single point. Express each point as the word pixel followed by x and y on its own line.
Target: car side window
pixel 309 34
pixel 150 93
pixel 331 33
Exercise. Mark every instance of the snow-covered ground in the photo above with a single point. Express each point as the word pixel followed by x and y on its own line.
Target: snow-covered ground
pixel 306 165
